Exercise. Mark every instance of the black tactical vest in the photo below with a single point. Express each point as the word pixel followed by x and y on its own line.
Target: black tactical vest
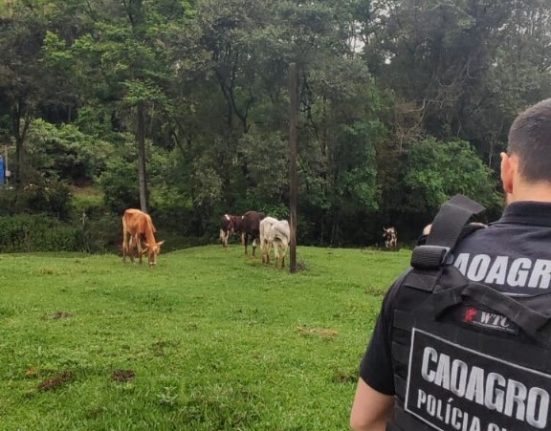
pixel 465 356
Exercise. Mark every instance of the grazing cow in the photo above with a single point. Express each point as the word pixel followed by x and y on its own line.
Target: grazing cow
pixel 279 236
pixel 138 233
pixel 391 237
pixel 229 224
pixel 265 226
pixel 251 228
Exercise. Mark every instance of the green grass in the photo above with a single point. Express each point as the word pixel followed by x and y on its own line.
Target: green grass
pixel 216 340
pixel 84 197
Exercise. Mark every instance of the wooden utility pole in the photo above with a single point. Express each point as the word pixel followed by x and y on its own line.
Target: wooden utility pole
pixel 142 173
pixel 293 180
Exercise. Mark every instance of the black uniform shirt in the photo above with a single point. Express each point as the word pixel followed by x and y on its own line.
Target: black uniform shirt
pixel 512 255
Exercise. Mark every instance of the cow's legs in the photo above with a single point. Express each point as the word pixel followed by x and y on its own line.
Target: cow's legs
pixel 268 247
pixel 139 248
pixel 223 238
pixel 134 242
pixel 254 245
pixel 124 241
pixel 245 242
pixel 226 238
pixel 268 251
pixel 276 253
pixel 263 251
pixel 124 248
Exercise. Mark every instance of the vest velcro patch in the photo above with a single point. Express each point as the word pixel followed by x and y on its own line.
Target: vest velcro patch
pixel 451 387
pixel 484 319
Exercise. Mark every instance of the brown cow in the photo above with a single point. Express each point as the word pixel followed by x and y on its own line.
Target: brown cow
pixel 137 230
pixel 251 228
pixel 229 224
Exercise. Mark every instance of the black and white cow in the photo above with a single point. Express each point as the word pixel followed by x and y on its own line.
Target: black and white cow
pixel 390 236
pixel 229 224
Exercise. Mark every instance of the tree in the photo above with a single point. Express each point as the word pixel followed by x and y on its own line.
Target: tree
pixel 438 170
pixel 21 34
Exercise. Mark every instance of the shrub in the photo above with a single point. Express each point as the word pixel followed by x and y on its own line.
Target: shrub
pixel 120 185
pixel 43 196
pixel 438 170
pixel 102 233
pixel 25 232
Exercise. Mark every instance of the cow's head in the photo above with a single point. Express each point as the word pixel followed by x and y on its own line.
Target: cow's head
pixel 389 232
pixel 153 252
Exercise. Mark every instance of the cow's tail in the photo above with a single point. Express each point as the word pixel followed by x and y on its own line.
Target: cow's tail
pixel 124 237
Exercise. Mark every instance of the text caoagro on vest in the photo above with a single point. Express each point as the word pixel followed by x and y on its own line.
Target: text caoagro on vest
pixel 465 356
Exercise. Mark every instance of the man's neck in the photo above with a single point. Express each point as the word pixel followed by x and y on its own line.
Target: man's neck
pixel 535 192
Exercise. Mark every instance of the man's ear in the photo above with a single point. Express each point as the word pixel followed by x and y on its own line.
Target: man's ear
pixel 508 168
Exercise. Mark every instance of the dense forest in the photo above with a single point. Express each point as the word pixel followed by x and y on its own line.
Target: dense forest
pixel 182 107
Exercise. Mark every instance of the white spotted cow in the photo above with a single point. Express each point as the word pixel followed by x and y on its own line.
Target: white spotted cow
pixel 265 225
pixel 278 237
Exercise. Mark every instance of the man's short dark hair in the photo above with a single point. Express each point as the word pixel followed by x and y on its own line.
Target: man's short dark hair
pixel 530 140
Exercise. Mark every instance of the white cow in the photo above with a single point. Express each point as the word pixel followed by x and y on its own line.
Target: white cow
pixel 265 225
pixel 278 237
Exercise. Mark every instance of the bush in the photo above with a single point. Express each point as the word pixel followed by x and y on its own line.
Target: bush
pixel 120 186
pixel 438 170
pixel 102 233
pixel 43 196
pixel 25 232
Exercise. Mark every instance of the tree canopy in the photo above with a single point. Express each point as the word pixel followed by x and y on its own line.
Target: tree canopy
pixel 181 106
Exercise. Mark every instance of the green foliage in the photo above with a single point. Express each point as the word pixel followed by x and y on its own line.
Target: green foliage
pixel 21 233
pixel 438 170
pixel 100 231
pixel 201 88
pixel 265 155
pixel 119 185
pixel 66 153
pixel 43 196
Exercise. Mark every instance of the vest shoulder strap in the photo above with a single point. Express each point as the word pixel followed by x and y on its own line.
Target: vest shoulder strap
pixel 447 229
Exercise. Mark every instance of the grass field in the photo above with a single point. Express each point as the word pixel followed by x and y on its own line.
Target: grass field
pixel 209 340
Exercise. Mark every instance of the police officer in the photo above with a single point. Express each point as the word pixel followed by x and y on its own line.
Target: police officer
pixel 473 368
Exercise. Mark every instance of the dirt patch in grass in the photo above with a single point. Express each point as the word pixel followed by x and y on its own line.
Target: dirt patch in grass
pixel 326 333
pixel 56 381
pixel 32 372
pixel 123 375
pixel 345 376
pixel 57 315
pixel 159 348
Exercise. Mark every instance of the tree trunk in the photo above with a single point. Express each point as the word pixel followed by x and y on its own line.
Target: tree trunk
pixel 19 133
pixel 18 180
pixel 142 175
pixel 293 180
